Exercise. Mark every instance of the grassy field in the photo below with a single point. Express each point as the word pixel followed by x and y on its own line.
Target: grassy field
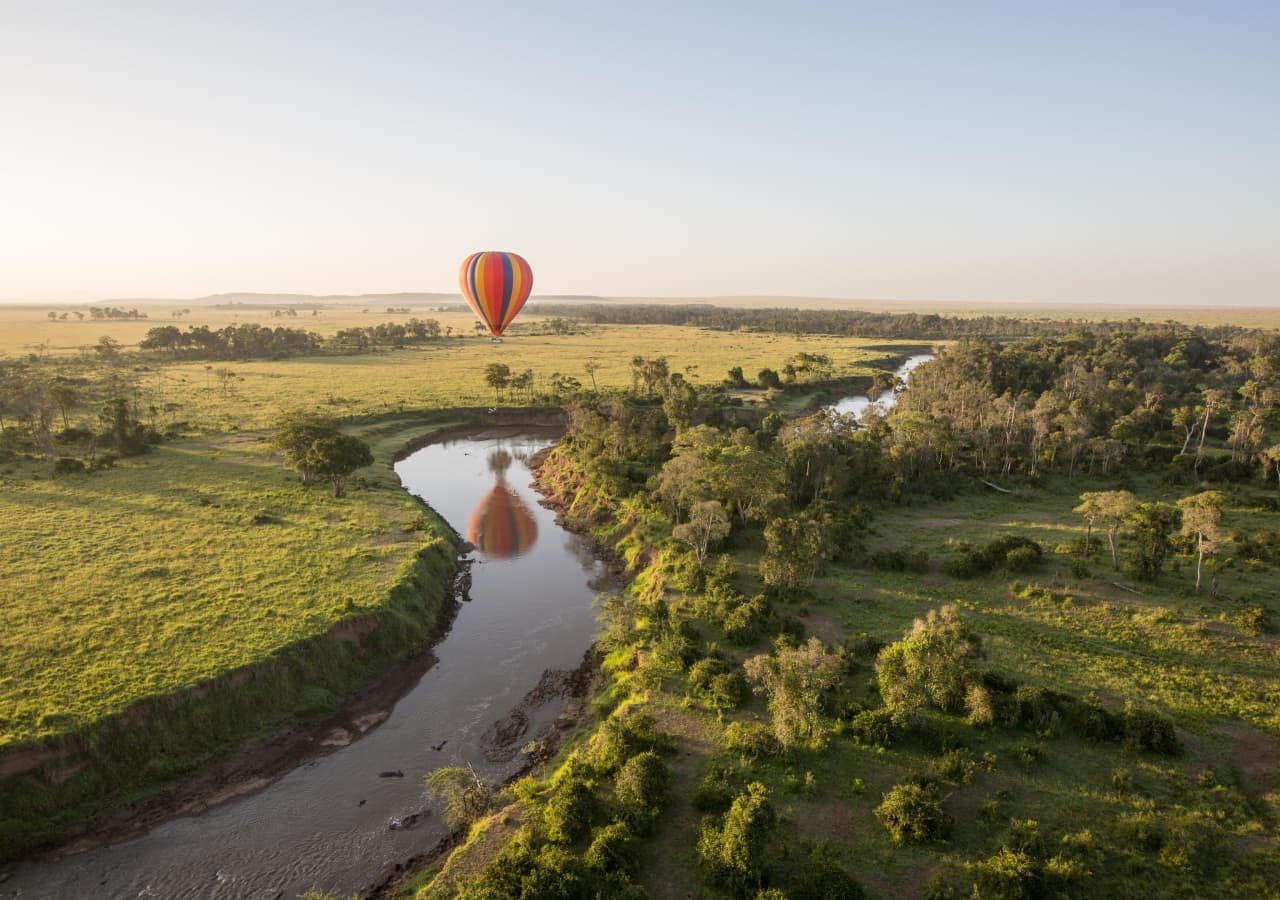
pixel 173 567
pixel 443 374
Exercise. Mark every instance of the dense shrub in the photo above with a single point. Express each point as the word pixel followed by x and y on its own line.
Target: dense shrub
pixel 1148 730
pixel 744 619
pixel 813 873
pixel 624 735
pixel 640 789
pixel 1012 553
pixel 714 683
pixel 751 739
pixel 931 665
pixel 613 848
pixel 899 559
pixel 955 767
pixel 716 789
pixel 732 851
pixel 523 872
pixel 569 810
pixel 874 727
pixel 912 811
pixel 68 465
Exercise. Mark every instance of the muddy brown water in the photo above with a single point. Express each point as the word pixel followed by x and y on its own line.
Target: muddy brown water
pixel 336 822
pixel 857 405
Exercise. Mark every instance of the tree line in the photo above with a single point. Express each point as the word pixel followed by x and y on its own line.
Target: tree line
pixel 852 323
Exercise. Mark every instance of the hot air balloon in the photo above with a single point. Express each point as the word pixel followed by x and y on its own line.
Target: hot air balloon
pixel 501 526
pixel 496 286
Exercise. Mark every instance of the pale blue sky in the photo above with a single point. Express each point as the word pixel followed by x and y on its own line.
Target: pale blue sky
pixel 1095 152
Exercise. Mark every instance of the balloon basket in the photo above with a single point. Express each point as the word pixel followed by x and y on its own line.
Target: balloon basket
pixel 496 340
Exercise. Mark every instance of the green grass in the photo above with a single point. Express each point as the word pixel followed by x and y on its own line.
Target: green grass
pixel 150 577
pixel 448 373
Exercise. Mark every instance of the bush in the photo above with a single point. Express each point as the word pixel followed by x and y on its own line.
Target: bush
pixel 68 465
pixel 813 873
pixel 931 665
pixel 955 767
pixel 901 559
pixel 548 873
pixel 751 739
pixel 1013 553
pixel 912 811
pixel 712 682
pixel 640 789
pixel 1146 729
pixel 1091 721
pixel 732 852
pixel 612 849
pixel 744 620
pixel 623 736
pixel 569 811
pixel 716 789
pixel 1009 875
pixel 875 727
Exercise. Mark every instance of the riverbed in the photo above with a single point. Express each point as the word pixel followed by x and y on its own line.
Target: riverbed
pixel 340 820
pixel 857 405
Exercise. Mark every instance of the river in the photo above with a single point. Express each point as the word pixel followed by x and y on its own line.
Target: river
pixel 857 405
pixel 334 822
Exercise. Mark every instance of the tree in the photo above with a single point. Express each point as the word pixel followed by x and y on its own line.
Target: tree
pixel 107 347
pixel 591 367
pixel 497 376
pixel 1270 459
pixel 793 680
pixel 1202 519
pixel 66 396
pixel 336 456
pixel 912 811
pixel 794 547
pixel 1151 524
pixel 768 378
pixel 464 796
pixel 294 437
pixel 932 664
pixel 733 852
pixel 707 523
pixel 1113 509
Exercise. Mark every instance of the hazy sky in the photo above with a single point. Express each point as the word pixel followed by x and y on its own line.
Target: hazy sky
pixel 1123 152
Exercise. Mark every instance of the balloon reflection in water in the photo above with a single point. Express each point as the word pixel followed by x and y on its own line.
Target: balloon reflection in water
pixel 501 526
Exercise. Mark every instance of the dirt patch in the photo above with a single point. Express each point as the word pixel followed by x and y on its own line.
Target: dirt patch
pixel 823 627
pixel 1256 755
pixel 825 820
pixel 939 523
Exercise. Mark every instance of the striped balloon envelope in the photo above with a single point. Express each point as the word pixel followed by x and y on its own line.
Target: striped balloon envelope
pixel 496 286
pixel 501 526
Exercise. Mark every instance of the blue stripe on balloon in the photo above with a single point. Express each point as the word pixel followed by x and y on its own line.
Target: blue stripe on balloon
pixel 508 284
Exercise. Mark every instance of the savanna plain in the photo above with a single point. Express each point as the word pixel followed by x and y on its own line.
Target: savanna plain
pixel 1013 637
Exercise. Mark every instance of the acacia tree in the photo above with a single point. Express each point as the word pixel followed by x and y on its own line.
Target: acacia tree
pixel 294 438
pixel 707 523
pixel 1202 519
pixel 793 680
pixel 1270 459
pixel 335 457
pixel 497 376
pixel 1111 508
